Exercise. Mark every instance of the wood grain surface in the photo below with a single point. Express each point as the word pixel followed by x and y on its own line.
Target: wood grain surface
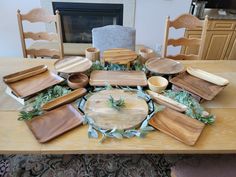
pixel 178 125
pixel 73 65
pixel 32 85
pixel 68 98
pixel 134 112
pixel 119 56
pixel 54 123
pixel 164 66
pixel 202 88
pixel 121 78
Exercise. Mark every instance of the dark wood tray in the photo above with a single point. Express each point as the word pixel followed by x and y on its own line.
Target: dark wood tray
pixel 54 123
pixel 202 88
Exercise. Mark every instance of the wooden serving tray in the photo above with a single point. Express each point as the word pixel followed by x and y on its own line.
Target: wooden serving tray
pixel 64 99
pixel 177 125
pixel 54 123
pixel 120 78
pixel 28 82
pixel 202 88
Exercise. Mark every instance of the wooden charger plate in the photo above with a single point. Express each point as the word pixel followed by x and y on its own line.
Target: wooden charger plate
pixel 120 78
pixel 29 82
pixel 54 123
pixel 164 66
pixel 73 65
pixel 134 112
pixel 178 125
pixel 202 88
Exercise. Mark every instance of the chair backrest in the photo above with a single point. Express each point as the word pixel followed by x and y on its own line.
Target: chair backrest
pixel 41 15
pixel 113 36
pixel 186 21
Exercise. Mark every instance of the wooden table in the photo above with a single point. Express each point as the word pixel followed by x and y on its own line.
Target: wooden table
pixel 15 137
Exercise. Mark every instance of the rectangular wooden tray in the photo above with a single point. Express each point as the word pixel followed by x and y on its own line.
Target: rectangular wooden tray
pixel 177 125
pixel 120 78
pixel 202 88
pixel 28 82
pixel 54 123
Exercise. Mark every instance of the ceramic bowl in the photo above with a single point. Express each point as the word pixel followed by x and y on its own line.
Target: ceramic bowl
pixel 157 83
pixel 78 80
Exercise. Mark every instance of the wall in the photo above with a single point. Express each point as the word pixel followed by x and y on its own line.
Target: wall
pixel 149 22
pixel 10 45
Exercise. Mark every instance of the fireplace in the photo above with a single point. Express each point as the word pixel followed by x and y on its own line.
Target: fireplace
pixel 78 19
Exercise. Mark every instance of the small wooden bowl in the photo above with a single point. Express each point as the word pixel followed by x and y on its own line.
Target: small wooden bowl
pixel 157 83
pixel 78 80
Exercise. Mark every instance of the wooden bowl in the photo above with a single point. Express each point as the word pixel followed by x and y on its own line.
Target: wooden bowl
pixel 157 83
pixel 78 80
pixel 146 53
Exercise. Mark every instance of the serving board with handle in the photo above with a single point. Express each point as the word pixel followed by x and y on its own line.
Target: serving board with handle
pixel 202 88
pixel 177 125
pixel 118 78
pixel 28 82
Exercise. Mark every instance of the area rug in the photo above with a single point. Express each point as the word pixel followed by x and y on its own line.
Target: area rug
pixel 84 166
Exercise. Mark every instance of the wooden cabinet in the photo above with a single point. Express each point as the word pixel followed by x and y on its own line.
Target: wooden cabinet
pixel 220 41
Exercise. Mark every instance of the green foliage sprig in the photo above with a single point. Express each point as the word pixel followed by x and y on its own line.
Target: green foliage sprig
pixel 194 110
pixel 116 104
pixel 34 109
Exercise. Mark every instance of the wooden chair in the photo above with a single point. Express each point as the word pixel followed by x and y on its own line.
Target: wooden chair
pixel 41 15
pixel 190 22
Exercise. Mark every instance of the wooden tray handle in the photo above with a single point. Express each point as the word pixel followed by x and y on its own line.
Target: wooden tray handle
pixel 25 74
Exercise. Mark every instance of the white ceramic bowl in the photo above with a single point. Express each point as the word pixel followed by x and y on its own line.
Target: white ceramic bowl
pixel 157 83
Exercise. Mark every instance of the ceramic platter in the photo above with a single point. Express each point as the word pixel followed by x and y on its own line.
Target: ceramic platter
pixel 164 66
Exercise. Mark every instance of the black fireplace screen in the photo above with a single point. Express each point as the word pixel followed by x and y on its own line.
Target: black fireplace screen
pixel 78 19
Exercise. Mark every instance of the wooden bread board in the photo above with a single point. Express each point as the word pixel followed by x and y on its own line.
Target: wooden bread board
pixel 178 125
pixel 28 82
pixel 64 99
pixel 54 123
pixel 202 88
pixel 118 78
pixel 119 56
pixel 134 112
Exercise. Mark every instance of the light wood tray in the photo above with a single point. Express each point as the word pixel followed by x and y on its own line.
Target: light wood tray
pixel 177 125
pixel 28 82
pixel 120 78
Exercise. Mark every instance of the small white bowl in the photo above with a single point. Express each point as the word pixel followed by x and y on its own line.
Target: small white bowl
pixel 157 83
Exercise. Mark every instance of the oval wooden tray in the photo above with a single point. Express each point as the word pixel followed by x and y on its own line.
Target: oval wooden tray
pixel 64 99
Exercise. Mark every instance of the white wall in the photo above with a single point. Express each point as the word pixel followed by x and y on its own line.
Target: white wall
pixel 149 22
pixel 9 33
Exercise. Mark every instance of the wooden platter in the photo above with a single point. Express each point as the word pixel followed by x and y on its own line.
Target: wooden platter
pixel 120 78
pixel 202 88
pixel 119 56
pixel 64 99
pixel 31 81
pixel 134 112
pixel 73 65
pixel 54 123
pixel 177 125
pixel 164 66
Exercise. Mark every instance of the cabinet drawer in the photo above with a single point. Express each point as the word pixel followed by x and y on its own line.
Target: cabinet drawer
pixel 222 25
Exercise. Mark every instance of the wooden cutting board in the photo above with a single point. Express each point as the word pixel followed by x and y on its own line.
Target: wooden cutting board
pixel 134 112
pixel 177 125
pixel 164 66
pixel 31 81
pixel 120 78
pixel 73 65
pixel 54 123
pixel 119 56
pixel 202 88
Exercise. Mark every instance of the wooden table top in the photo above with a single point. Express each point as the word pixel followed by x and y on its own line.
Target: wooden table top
pixel 15 137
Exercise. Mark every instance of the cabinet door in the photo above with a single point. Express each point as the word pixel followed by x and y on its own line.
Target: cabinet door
pixel 216 44
pixel 231 52
pixel 191 49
